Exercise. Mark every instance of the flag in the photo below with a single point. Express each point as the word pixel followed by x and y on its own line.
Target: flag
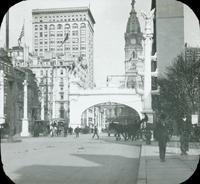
pixel 21 35
pixel 80 58
pixel 66 38
pixel 73 67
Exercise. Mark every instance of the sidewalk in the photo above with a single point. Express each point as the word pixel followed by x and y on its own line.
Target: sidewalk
pixel 176 169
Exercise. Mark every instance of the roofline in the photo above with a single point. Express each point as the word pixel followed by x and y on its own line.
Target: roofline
pixel 71 9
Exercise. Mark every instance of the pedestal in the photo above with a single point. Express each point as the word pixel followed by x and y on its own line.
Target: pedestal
pixel 25 132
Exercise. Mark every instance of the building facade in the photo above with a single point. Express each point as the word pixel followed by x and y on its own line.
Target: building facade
pixel 63 56
pixel 14 95
pixel 94 116
pixel 50 28
pixel 169 32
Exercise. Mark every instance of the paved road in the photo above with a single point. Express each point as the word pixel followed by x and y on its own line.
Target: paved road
pixel 70 160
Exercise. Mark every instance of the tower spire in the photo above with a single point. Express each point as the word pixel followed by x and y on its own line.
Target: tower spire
pixel 133 25
pixel 133 7
pixel 133 4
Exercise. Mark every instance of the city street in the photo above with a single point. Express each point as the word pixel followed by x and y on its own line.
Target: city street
pixel 63 160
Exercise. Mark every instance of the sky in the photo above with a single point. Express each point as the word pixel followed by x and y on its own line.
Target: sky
pixel 111 17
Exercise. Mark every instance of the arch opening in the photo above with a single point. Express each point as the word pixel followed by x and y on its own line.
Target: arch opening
pixel 102 114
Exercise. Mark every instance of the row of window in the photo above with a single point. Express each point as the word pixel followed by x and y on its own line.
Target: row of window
pixel 59 33
pixel 59 26
pixel 60 48
pixel 43 72
pixel 74 33
pixel 61 20
pixel 59 41
pixel 83 55
pixel 74 39
pixel 60 16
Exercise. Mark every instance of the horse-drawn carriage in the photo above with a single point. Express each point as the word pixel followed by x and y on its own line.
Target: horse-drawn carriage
pixel 128 131
pixel 130 128
pixel 40 127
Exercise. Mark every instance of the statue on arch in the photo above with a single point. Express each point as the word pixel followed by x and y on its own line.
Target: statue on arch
pixel 148 17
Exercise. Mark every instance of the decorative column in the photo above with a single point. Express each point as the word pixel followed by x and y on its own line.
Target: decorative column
pixel 99 119
pixel 25 124
pixel 93 115
pixel 2 118
pixel 148 35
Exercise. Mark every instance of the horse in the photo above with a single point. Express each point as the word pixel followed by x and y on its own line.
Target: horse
pixel 118 128
pixel 128 131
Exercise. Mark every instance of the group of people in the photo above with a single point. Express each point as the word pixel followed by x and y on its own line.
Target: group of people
pixel 162 136
pixel 56 129
pixel 95 132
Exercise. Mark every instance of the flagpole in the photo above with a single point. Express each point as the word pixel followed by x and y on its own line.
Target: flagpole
pixel 24 49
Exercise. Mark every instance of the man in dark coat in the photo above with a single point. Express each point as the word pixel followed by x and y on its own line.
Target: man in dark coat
pixel 65 129
pixel 148 135
pixel 161 135
pixel 95 132
pixel 77 130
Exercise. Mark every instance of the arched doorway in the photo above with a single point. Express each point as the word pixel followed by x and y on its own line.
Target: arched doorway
pixel 102 114
pixel 86 99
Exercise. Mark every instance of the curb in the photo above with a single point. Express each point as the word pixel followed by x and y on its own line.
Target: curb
pixel 13 141
pixel 142 176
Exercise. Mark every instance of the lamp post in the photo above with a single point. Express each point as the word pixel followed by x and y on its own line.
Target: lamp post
pixel 44 98
pixel 25 121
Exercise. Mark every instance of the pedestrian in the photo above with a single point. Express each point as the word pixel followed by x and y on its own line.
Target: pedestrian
pixel 161 135
pixel 52 130
pixel 148 135
pixel 95 132
pixel 65 129
pixel 70 130
pixel 77 130
pixel 184 138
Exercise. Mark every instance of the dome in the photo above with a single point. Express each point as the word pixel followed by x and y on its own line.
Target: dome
pixel 133 25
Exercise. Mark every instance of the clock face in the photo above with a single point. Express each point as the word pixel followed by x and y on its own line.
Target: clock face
pixel 133 41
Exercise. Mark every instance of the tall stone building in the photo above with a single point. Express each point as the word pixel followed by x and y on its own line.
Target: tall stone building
pixel 169 27
pixel 62 57
pixel 133 47
pixel 50 27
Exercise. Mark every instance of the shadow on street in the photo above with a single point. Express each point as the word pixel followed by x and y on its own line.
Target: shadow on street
pixel 110 170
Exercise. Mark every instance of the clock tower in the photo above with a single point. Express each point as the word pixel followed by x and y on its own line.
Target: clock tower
pixel 133 42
